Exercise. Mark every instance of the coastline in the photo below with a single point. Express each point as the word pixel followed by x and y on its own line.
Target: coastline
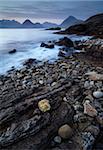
pixel 66 86
pixel 51 75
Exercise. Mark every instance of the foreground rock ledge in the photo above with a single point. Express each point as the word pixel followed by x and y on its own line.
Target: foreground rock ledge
pixel 66 87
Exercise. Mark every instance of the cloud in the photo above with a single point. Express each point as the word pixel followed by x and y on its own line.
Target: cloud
pixel 49 9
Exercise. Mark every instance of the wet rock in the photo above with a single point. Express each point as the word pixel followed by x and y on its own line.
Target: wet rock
pixel 98 94
pixel 62 53
pixel 49 45
pixel 43 44
pixel 44 105
pixel 12 51
pixel 65 131
pixel 65 42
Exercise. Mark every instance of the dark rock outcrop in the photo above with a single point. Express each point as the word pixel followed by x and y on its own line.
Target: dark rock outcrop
pixel 65 42
pixel 49 45
pixel 12 51
pixel 92 26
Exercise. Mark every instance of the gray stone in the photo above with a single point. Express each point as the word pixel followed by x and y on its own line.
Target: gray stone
pixel 65 131
pixel 57 139
pixel 98 94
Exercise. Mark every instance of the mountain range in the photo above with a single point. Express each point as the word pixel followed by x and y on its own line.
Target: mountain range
pixel 71 20
pixel 29 24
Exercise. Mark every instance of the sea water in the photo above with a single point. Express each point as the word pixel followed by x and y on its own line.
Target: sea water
pixel 27 43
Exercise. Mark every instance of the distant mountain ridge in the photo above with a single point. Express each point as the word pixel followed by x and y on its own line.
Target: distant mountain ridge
pixel 26 24
pixel 9 24
pixel 29 24
pixel 71 20
pixel 49 25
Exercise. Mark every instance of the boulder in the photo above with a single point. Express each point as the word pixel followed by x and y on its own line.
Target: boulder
pixel 65 42
pixel 43 44
pixel 47 45
pixel 12 51
pixel 62 53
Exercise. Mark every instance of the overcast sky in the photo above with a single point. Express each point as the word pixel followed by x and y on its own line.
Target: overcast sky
pixel 48 10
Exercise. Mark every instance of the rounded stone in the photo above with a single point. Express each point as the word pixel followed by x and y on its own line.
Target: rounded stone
pixel 65 131
pixel 87 84
pixel 53 84
pixel 41 81
pixel 57 139
pixel 44 105
pixel 98 94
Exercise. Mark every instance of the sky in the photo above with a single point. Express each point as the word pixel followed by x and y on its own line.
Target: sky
pixel 48 10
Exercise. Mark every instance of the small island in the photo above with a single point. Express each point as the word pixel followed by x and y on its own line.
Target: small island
pixel 55 28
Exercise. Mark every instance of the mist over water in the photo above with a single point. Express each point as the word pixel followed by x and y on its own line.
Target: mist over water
pixel 27 43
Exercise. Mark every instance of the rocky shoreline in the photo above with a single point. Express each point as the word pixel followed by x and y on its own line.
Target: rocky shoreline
pixel 53 106
pixel 93 26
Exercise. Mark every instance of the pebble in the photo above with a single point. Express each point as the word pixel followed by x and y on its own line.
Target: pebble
pixel 57 139
pixel 95 76
pixel 91 83
pixel 44 105
pixel 89 109
pixel 87 84
pixel 41 82
pixel 65 131
pixel 98 94
pixel 54 83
